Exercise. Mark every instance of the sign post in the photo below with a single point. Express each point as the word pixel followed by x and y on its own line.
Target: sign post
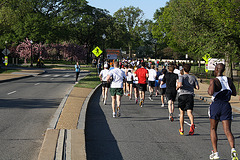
pixel 206 57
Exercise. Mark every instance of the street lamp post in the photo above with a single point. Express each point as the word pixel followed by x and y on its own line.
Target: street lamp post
pixel 31 54
pixel 104 37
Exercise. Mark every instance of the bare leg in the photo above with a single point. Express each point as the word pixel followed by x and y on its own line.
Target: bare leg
pixel 228 133
pixel 118 100
pixel 131 86
pixel 190 115
pixel 181 119
pixel 106 91
pixel 113 103
pixel 103 92
pixel 213 133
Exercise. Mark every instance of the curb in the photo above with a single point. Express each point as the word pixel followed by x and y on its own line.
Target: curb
pixel 66 144
pixel 82 117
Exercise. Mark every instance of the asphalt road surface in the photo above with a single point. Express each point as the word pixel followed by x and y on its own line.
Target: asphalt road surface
pixel 26 108
pixel 147 134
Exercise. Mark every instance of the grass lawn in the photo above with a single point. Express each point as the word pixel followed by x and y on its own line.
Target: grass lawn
pixel 90 81
pixel 2 70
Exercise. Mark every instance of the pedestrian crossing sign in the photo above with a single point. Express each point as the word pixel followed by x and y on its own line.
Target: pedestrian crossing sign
pixel 97 51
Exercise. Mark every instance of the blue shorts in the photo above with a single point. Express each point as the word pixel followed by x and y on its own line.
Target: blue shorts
pixel 156 83
pixel 220 110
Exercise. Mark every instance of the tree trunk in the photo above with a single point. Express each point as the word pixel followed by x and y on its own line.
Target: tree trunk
pixel 228 66
pixel 130 51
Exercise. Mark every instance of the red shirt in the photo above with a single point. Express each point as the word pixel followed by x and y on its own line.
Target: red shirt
pixel 141 74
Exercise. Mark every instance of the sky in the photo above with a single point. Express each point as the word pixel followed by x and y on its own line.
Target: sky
pixel 148 6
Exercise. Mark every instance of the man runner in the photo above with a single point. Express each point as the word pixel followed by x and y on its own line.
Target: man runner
pixel 170 79
pixel 116 88
pixel 151 81
pixel 221 88
pixel 142 75
pixel 105 85
pixel 187 83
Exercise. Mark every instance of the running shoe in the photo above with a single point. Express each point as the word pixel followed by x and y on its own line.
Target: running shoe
pixel 150 98
pixel 181 132
pixel 128 94
pixel 171 117
pixel 118 112
pixel 136 101
pixel 191 132
pixel 141 102
pixel 130 98
pixel 162 105
pixel 234 154
pixel 114 115
pixel 214 155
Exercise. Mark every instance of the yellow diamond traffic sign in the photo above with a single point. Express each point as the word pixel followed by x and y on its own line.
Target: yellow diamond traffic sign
pixel 97 51
pixel 206 57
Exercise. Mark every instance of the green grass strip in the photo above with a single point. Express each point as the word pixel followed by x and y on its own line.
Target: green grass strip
pixel 90 81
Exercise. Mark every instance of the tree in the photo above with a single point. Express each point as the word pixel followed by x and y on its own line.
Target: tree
pixel 131 17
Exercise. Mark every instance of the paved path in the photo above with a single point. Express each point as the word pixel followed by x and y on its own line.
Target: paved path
pixel 146 133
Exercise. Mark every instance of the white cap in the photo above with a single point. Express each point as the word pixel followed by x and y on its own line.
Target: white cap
pixel 105 65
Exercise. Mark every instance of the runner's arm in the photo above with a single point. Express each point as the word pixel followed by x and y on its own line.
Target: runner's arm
pixel 232 86
pixel 211 87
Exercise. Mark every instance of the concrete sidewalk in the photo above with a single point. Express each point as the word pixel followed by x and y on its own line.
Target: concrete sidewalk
pixel 65 138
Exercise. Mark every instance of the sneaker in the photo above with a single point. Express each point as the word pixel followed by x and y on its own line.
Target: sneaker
pixel 181 132
pixel 128 94
pixel 150 98
pixel 191 132
pixel 130 98
pixel 141 102
pixel 136 101
pixel 214 155
pixel 114 115
pixel 171 117
pixel 162 105
pixel 234 154
pixel 104 102
pixel 118 112
pixel 142 105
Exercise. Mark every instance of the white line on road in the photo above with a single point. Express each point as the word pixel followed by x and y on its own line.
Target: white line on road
pixel 45 75
pixel 36 84
pixel 12 92
pixel 188 123
pixel 56 75
pixel 67 75
pixel 52 79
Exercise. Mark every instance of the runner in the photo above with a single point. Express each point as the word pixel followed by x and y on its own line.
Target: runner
pixel 135 86
pixel 170 79
pixel 162 87
pixel 129 83
pixel 77 70
pixel 151 81
pixel 221 88
pixel 157 82
pixel 187 83
pixel 142 75
pixel 116 88
pixel 124 68
pixel 105 85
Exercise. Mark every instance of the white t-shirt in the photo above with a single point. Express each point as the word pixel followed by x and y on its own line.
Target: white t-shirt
pixel 129 75
pixel 118 75
pixel 177 71
pixel 160 79
pixel 104 74
pixel 135 79
pixel 152 75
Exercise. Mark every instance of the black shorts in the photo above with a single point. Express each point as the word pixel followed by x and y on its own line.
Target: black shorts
pixel 171 94
pixel 186 102
pixel 142 87
pixel 135 85
pixel 151 83
pixel 130 82
pixel 220 110
pixel 162 91
pixel 105 84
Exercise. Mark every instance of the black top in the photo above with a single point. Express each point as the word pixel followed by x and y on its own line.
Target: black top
pixel 170 79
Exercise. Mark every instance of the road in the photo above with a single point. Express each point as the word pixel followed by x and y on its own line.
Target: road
pixel 26 108
pixel 147 134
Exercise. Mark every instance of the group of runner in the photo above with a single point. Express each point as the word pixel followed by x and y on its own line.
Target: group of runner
pixel 174 84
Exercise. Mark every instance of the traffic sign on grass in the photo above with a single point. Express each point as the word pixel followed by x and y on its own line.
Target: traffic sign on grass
pixel 97 51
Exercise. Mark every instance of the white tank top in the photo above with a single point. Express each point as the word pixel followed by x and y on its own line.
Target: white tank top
pixel 224 83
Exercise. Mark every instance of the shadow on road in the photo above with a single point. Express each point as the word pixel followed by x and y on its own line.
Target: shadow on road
pixel 100 142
